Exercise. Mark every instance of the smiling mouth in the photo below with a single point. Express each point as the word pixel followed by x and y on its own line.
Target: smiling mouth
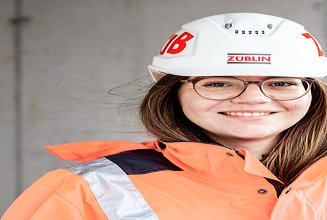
pixel 247 114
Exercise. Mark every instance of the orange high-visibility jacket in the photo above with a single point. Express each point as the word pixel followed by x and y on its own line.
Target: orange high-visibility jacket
pixel 177 180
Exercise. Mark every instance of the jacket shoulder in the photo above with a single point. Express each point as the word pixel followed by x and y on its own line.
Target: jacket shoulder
pixel 56 190
pixel 308 195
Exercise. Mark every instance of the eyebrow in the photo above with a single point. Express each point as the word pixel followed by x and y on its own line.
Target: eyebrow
pixel 260 77
pixel 237 77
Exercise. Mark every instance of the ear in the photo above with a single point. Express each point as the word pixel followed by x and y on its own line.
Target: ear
pixel 156 75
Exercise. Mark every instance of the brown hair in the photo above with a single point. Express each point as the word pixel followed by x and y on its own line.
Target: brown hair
pixel 298 147
pixel 305 142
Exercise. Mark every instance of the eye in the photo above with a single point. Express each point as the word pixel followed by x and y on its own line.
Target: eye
pixel 217 84
pixel 282 84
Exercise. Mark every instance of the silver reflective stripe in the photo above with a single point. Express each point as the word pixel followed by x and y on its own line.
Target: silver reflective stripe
pixel 116 194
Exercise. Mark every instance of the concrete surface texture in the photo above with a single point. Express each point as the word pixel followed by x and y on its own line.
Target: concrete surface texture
pixel 74 52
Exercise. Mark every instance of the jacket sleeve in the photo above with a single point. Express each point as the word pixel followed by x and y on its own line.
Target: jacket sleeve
pixel 59 194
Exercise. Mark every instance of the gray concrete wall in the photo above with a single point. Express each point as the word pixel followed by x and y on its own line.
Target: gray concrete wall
pixel 73 51
pixel 7 106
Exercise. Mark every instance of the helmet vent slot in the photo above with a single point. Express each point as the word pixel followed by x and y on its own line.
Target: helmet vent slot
pixel 250 32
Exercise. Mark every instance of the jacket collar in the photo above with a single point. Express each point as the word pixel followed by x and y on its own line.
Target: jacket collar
pixel 214 161
pixel 205 160
pixel 91 150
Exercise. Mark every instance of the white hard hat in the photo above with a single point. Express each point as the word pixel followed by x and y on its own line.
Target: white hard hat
pixel 241 44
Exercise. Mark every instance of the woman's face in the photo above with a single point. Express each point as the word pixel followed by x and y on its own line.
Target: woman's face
pixel 250 116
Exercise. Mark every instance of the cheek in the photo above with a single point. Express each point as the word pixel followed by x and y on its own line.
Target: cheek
pixel 194 106
pixel 300 107
pixel 191 103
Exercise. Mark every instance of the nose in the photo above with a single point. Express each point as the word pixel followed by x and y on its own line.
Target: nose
pixel 251 95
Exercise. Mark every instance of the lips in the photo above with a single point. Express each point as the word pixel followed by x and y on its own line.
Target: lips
pixel 247 114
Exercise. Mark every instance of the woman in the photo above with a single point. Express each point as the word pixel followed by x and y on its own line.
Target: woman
pixel 240 116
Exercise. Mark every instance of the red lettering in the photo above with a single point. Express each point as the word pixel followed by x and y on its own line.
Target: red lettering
pixel 172 37
pixel 320 50
pixel 265 59
pixel 231 58
pixel 248 58
pixel 179 44
pixel 239 58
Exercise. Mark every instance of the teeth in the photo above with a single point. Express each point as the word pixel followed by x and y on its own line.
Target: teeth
pixel 247 114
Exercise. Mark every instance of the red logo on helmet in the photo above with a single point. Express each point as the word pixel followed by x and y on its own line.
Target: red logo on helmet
pixel 176 44
pixel 320 50
pixel 248 58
